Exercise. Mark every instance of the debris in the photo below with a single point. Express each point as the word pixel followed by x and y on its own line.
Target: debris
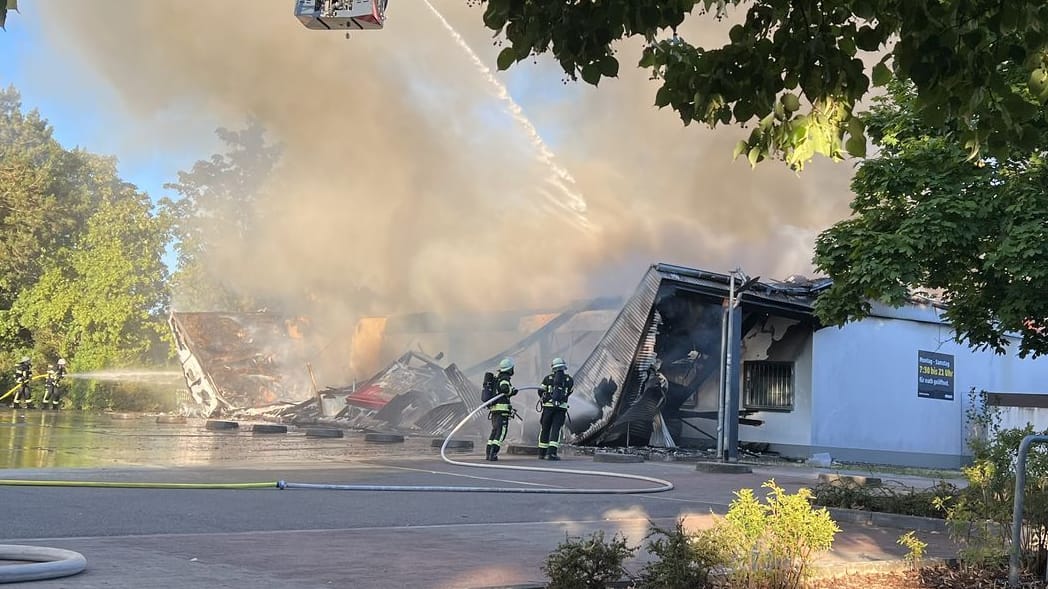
pixel 821 460
pixel 241 360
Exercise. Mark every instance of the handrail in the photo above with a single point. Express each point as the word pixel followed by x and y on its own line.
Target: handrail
pixel 1017 507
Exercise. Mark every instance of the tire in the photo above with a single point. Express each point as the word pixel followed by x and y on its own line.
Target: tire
pixel 453 444
pixel 324 432
pixel 218 424
pixel 173 419
pixel 384 438
pixel 266 428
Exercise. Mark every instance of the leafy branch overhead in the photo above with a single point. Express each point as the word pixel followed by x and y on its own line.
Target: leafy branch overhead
pixel 923 216
pixel 796 69
pixel 6 5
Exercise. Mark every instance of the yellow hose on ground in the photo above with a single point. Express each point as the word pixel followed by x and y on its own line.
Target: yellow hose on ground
pixel 43 483
pixel 15 388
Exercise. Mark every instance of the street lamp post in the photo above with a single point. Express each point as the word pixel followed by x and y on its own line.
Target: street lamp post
pixel 728 382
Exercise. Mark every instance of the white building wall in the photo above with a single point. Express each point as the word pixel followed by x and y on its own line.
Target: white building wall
pixel 864 389
pixel 1019 417
pixel 793 427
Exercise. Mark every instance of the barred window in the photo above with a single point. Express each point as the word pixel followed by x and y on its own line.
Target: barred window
pixel 767 385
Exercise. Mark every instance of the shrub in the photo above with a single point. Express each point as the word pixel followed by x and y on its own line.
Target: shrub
pixel 587 563
pixel 980 520
pixel 915 548
pixel 897 498
pixel 773 544
pixel 682 560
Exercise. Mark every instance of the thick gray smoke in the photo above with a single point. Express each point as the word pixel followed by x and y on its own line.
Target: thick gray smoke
pixel 403 174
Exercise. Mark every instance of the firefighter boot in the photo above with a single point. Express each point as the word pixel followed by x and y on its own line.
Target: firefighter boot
pixel 552 454
pixel 487 455
pixel 494 453
pixel 542 453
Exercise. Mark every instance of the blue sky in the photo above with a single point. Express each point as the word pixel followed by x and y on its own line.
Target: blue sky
pixel 82 108
pixel 86 111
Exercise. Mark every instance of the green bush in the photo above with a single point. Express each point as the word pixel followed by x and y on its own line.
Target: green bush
pixel 891 498
pixel 588 563
pixel 772 544
pixel 980 519
pixel 682 560
pixel 915 548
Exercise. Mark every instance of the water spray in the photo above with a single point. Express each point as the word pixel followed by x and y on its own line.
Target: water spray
pixel 163 376
pixel 571 201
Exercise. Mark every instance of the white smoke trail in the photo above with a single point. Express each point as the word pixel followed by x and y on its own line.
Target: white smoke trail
pixel 573 202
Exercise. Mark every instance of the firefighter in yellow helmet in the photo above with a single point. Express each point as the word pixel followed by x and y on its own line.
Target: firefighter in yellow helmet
pixel 556 388
pixel 53 386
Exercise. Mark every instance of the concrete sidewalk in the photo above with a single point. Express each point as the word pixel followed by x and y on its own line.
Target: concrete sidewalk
pixel 212 538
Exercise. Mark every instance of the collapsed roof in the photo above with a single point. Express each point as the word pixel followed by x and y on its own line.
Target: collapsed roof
pixel 238 360
pixel 635 366
pixel 617 378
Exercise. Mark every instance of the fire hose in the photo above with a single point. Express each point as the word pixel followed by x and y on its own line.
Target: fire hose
pixel 19 385
pixel 54 563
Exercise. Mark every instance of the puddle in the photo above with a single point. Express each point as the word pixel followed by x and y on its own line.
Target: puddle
pixel 49 439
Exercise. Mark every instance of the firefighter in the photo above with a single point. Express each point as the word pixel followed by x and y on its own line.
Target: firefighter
pixel 556 388
pixel 53 385
pixel 501 411
pixel 23 374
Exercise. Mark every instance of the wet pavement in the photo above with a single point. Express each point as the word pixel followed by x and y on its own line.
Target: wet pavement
pixel 321 538
pixel 60 439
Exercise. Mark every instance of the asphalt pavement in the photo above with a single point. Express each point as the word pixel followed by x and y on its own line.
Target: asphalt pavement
pixel 329 538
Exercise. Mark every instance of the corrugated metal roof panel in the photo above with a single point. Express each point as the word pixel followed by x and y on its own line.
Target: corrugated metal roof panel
pixel 613 360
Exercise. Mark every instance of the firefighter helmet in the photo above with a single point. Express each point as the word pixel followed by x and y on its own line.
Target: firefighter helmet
pixel 559 364
pixel 506 365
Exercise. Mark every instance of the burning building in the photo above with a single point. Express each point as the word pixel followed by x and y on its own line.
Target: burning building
pixel 692 358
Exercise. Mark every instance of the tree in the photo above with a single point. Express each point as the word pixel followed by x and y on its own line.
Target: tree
pixel 796 67
pixel 81 271
pixel 217 207
pixel 103 302
pixel 924 216
pixel 45 201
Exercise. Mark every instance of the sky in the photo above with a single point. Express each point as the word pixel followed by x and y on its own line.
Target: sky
pixel 409 180
pixel 84 109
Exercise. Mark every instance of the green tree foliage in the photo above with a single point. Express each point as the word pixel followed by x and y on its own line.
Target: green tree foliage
pixel 6 5
pixel 925 217
pixel 81 270
pixel 104 302
pixel 216 206
pixel 44 195
pixel 797 68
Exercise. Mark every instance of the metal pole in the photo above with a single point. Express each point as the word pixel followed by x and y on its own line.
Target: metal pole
pixel 723 381
pixel 729 334
pixel 1017 507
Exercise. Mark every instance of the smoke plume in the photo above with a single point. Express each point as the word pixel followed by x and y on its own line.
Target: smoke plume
pixel 407 185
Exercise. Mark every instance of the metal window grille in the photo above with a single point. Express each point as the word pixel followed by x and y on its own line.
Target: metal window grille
pixel 767 386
